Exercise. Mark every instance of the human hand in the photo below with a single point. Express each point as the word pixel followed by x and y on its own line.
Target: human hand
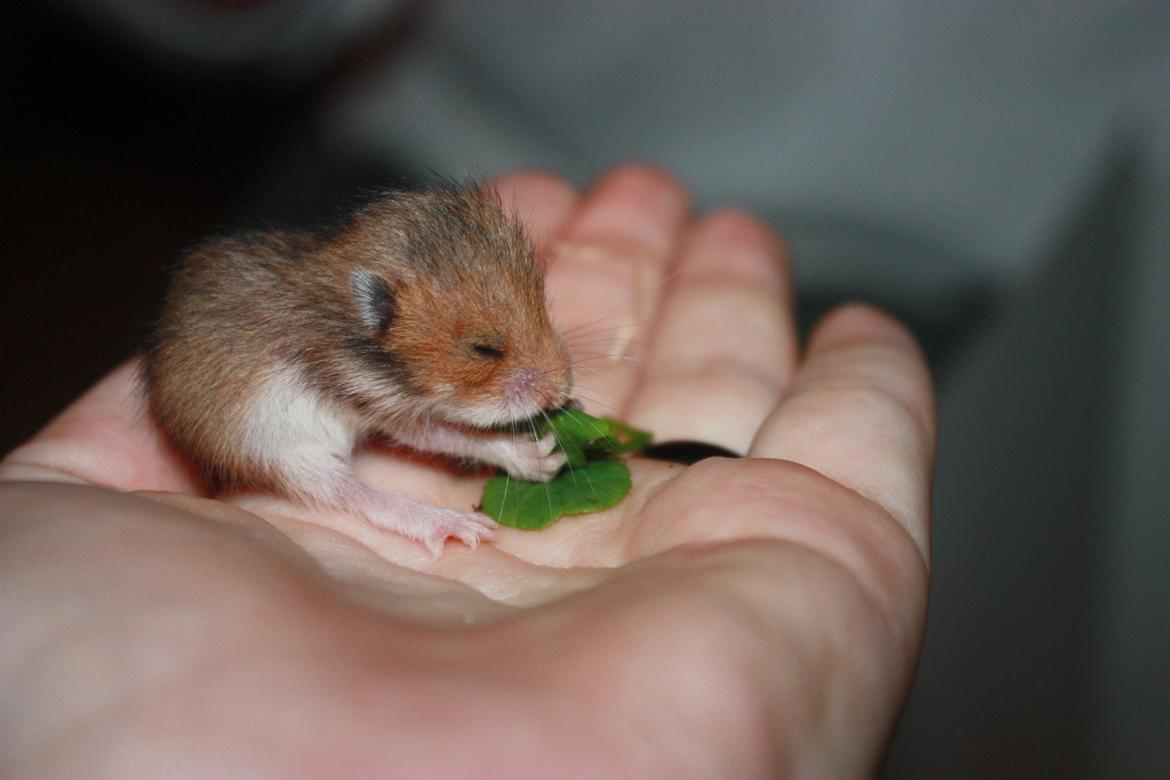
pixel 754 617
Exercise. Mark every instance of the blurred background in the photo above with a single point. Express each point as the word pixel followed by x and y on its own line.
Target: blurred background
pixel 995 173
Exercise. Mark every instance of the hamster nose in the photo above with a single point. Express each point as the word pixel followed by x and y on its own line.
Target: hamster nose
pixel 556 393
pixel 558 389
pixel 554 398
pixel 535 385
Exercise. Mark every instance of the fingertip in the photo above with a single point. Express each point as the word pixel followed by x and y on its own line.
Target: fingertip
pixel 876 345
pixel 541 201
pixel 533 187
pixel 634 204
pixel 637 176
pixel 856 322
pixel 737 245
pixel 737 227
pixel 646 187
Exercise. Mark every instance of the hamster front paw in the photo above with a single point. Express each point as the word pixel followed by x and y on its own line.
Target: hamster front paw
pixel 530 460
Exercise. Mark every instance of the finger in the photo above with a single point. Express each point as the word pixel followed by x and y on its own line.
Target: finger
pixel 107 437
pixel 724 345
pixel 539 200
pixel 605 275
pixel 860 411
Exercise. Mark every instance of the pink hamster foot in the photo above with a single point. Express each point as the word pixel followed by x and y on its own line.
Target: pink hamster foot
pixel 430 525
pixel 435 526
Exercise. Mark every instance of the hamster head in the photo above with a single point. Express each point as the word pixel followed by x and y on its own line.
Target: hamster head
pixel 452 293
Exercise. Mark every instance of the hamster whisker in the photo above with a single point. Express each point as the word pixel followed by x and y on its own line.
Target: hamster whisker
pixel 588 481
pixel 601 434
pixel 604 342
pixel 572 337
pixel 604 359
pixel 608 408
pixel 626 303
pixel 572 471
pixel 536 437
pixel 581 391
pixel 603 316
pixel 507 474
pixel 599 353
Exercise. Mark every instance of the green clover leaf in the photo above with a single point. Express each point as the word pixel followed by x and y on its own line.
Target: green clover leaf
pixel 592 479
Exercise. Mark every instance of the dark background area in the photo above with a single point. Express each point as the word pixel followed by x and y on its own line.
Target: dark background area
pixel 111 168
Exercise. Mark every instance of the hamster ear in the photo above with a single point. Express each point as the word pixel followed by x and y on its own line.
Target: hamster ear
pixel 375 300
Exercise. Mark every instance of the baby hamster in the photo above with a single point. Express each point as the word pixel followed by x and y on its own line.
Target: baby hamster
pixel 419 318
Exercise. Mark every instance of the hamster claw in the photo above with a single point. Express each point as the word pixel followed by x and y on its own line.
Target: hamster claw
pixel 546 445
pixel 535 461
pixel 468 527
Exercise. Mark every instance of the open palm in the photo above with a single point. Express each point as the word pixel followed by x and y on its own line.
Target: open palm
pixel 736 618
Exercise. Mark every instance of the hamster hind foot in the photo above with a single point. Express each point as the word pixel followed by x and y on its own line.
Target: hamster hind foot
pixel 325 479
pixel 413 519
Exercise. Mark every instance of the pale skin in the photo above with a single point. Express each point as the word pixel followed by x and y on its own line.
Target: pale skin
pixel 754 617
